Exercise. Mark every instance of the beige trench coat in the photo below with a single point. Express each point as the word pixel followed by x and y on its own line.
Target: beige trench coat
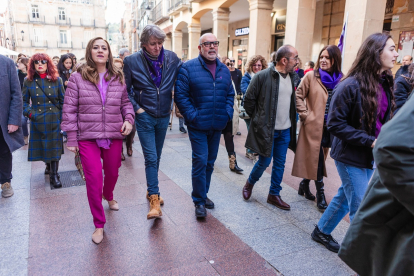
pixel 311 116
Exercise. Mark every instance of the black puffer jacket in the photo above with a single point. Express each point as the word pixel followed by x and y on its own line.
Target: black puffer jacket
pixel 141 89
pixel 402 89
pixel 352 142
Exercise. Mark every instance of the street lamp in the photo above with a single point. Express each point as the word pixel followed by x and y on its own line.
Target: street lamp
pixel 148 7
pixel 110 41
pixel 22 35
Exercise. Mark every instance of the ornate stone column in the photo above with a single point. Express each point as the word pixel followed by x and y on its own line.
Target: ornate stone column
pixel 260 29
pixel 365 18
pixel 300 23
pixel 178 43
pixel 221 28
pixel 194 33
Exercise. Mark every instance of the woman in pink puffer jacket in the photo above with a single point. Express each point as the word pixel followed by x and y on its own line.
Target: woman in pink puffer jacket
pixel 97 114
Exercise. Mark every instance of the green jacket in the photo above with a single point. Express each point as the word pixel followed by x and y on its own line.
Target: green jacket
pixel 380 239
pixel 260 103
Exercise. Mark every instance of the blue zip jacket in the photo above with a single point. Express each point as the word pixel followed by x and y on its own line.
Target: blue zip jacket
pixel 205 103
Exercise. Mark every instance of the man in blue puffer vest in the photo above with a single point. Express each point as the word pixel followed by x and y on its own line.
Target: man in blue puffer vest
pixel 205 96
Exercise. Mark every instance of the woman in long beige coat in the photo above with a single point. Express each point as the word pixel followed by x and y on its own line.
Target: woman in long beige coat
pixel 312 102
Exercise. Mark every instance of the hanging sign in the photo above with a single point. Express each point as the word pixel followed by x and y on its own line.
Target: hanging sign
pixel 242 31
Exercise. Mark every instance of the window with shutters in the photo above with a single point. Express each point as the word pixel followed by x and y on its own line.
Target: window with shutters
pixel 35 11
pixel 62 14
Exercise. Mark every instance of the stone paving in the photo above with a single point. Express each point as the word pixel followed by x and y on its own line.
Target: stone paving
pixel 47 232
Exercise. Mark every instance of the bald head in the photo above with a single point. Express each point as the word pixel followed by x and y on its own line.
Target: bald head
pixel 208 46
pixel 286 58
pixel 407 60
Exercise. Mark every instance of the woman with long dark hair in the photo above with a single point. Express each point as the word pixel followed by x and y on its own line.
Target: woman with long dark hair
pixel 65 67
pixel 360 105
pixel 96 124
pixel 403 87
pixel 43 94
pixel 313 97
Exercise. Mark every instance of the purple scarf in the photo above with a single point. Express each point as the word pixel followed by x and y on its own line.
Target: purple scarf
pixel 329 81
pixel 155 68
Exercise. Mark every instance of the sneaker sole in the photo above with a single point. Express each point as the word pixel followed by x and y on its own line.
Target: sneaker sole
pixel 320 241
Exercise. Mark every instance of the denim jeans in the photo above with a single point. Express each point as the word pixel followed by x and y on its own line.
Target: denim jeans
pixel 350 194
pixel 205 145
pixel 151 133
pixel 281 139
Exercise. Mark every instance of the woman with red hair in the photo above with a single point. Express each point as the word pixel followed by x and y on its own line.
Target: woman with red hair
pixel 43 94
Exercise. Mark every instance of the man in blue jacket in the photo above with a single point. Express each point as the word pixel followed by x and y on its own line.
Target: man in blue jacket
pixel 149 76
pixel 204 94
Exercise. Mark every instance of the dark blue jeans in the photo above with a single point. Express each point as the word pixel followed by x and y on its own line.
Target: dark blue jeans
pixel 151 133
pixel 205 144
pixel 281 141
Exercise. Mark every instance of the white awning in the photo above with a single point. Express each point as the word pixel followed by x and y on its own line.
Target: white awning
pixel 7 52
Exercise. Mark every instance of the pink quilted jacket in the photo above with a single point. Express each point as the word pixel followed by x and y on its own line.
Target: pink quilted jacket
pixel 84 117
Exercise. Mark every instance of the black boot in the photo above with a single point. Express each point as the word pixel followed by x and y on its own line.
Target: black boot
pixel 54 177
pixel 304 189
pixel 233 163
pixel 320 196
pixel 47 169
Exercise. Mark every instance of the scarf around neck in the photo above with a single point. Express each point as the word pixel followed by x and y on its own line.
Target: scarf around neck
pixel 329 81
pixel 155 66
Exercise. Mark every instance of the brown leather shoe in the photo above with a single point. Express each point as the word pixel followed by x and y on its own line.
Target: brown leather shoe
pixel 247 190
pixel 122 156
pixel 278 202
pixel 129 151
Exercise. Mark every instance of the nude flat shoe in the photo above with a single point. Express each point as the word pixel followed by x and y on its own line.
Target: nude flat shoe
pixel 97 236
pixel 113 205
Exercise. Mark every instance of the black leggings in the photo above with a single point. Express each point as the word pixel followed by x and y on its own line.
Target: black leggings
pixel 321 163
pixel 228 137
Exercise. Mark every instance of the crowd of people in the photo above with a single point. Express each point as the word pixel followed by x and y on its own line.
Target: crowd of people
pixel 101 100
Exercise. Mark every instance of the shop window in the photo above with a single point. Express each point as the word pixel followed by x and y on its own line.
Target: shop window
pixel 244 41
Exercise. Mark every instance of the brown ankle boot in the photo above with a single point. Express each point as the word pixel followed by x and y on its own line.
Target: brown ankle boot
pixel 161 199
pixel 155 209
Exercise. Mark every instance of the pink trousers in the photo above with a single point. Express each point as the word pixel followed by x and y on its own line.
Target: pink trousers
pixel 96 184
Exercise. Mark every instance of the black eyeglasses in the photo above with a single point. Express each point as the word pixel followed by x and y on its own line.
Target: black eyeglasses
pixel 40 61
pixel 209 44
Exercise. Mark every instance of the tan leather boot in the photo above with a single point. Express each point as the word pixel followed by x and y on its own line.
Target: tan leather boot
pixel 161 199
pixel 155 209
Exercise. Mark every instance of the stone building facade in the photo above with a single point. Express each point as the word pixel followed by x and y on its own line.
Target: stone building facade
pixel 54 26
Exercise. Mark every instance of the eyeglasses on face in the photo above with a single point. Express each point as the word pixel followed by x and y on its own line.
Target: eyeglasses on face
pixel 257 65
pixel 40 61
pixel 210 43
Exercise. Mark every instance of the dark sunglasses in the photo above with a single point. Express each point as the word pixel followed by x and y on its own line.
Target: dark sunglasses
pixel 40 61
pixel 232 60
pixel 212 43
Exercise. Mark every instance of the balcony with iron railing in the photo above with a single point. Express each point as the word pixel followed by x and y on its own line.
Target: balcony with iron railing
pixel 37 20
pixel 39 43
pixel 64 21
pixel 178 5
pixel 159 14
pixel 66 45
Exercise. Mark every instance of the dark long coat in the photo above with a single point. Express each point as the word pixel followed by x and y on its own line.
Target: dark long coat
pixel 380 239
pixel 10 103
pixel 46 113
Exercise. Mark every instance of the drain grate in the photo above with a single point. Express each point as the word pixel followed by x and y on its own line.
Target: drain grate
pixel 70 179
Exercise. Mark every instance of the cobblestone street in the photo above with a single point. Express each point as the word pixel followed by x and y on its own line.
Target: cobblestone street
pixel 47 232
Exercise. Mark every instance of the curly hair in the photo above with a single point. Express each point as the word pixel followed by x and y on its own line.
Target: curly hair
pixel 365 70
pixel 89 71
pixel 253 60
pixel 51 70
